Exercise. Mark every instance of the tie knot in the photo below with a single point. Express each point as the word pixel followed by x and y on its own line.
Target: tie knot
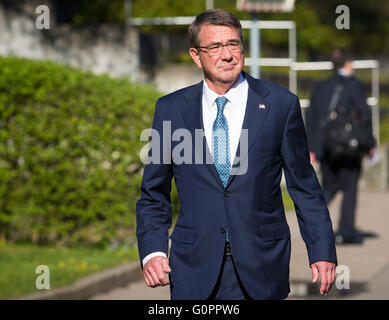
pixel 221 102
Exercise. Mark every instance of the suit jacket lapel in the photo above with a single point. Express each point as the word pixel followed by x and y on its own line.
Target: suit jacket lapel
pixel 193 118
pixel 254 117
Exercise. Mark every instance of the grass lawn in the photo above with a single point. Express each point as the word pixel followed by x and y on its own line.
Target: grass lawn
pixel 288 202
pixel 66 265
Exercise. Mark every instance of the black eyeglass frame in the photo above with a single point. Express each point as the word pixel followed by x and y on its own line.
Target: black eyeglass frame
pixel 220 45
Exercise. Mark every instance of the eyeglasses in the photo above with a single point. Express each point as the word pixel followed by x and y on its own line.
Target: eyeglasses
pixel 216 48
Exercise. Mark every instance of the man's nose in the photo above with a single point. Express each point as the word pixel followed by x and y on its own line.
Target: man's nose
pixel 226 53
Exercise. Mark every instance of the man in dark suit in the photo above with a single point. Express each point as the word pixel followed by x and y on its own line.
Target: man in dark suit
pixel 231 239
pixel 339 173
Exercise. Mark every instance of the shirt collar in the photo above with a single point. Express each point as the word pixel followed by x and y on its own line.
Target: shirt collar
pixel 343 73
pixel 233 95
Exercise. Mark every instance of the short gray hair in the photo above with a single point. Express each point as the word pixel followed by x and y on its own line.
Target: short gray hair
pixel 216 17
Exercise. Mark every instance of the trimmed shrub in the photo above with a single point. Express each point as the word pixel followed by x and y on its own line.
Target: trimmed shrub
pixel 70 170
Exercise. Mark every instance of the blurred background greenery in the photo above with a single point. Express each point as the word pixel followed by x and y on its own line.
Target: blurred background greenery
pixel 316 34
pixel 69 149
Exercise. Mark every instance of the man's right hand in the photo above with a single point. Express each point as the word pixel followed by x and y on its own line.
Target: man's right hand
pixel 154 271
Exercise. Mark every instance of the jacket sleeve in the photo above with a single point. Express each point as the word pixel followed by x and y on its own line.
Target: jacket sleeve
pixel 154 208
pixel 313 124
pixel 304 188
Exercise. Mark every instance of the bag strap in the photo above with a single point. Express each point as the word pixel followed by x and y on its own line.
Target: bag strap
pixel 335 97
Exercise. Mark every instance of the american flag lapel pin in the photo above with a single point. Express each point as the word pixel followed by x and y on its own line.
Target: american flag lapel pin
pixel 261 106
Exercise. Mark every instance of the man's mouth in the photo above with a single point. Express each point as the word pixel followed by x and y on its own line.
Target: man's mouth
pixel 228 67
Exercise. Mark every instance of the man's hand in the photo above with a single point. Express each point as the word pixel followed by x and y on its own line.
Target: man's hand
pixel 154 271
pixel 327 271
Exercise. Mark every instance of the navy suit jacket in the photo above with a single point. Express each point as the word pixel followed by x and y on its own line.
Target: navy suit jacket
pixel 250 206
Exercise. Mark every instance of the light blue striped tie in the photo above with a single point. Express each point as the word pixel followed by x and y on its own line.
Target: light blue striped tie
pixel 221 145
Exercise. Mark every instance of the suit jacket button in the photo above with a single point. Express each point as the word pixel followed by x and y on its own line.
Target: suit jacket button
pixel 227 194
pixel 222 230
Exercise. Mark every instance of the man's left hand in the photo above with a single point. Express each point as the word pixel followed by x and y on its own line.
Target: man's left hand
pixel 371 153
pixel 327 272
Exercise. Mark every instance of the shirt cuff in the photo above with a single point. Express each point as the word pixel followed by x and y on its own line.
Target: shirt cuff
pixel 152 255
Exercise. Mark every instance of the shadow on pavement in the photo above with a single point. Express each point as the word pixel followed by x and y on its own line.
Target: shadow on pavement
pixel 308 290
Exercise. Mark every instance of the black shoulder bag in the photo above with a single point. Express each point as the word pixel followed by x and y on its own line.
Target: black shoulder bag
pixel 347 134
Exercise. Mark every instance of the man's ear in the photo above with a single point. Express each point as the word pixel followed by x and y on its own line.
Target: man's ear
pixel 196 57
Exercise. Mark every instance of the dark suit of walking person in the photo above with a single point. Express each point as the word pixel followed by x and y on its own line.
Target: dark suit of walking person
pixel 231 239
pixel 338 173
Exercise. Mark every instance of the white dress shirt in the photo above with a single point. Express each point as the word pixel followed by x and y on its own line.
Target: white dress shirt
pixel 234 111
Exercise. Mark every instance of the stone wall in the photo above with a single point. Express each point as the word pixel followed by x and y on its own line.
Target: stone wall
pixel 172 77
pixel 101 49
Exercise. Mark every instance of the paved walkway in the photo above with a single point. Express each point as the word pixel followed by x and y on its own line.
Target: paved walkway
pixel 368 263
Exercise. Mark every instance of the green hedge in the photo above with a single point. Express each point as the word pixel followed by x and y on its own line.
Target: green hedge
pixel 384 130
pixel 69 153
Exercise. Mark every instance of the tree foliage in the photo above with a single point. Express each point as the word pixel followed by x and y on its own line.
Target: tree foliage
pixel 316 30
